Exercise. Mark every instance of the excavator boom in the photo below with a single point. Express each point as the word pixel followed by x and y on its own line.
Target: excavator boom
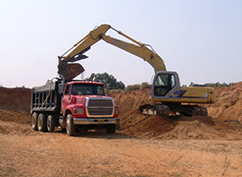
pixel 76 52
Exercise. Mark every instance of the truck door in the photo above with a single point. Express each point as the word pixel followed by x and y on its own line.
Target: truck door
pixel 66 97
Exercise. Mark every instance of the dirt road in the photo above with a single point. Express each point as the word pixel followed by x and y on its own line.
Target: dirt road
pixel 24 152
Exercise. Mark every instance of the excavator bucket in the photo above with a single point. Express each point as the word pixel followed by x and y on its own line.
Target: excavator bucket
pixel 70 70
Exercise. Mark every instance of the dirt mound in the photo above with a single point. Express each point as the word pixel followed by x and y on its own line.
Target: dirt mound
pixel 203 127
pixel 13 128
pixel 15 122
pixel 224 120
pixel 21 117
pixel 228 103
pixel 15 99
pixel 137 124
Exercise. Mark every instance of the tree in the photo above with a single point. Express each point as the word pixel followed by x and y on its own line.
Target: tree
pixel 107 79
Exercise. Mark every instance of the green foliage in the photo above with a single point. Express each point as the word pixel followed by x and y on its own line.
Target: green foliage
pixel 145 85
pixel 115 91
pixel 108 80
pixel 217 84
pixel 133 87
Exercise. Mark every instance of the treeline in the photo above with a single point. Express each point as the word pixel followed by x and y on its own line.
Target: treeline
pixel 108 79
pixel 143 85
pixel 118 86
pixel 217 84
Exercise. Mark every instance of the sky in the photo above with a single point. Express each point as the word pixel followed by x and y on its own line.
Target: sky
pixel 201 40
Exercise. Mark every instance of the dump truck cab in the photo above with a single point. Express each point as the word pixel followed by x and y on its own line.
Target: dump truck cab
pixel 86 99
pixel 73 105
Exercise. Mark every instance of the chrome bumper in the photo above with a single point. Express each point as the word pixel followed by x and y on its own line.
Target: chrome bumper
pixel 91 121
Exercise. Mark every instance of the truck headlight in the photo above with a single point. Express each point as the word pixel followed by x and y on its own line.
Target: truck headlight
pixel 78 111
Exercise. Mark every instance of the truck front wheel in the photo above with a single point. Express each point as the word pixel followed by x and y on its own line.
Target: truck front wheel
pixel 42 123
pixel 70 126
pixel 111 129
pixel 50 123
pixel 34 119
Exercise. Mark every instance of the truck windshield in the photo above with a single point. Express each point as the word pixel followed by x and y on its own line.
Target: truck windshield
pixel 87 89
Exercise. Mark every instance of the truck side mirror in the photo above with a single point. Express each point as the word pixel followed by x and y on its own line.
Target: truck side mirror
pixel 61 85
pixel 107 90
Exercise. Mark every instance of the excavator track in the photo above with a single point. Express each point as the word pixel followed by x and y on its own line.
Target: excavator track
pixel 167 110
pixel 149 109
pixel 200 111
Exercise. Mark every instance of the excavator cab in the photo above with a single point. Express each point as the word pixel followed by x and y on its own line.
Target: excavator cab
pixel 166 89
pixel 165 84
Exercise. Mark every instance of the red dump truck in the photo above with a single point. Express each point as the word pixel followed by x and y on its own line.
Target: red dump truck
pixel 73 105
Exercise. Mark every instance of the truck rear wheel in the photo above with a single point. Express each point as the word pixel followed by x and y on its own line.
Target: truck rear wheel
pixel 50 123
pixel 34 119
pixel 70 126
pixel 111 129
pixel 42 123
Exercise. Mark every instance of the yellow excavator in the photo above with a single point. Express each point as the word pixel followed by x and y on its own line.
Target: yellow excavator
pixel 168 96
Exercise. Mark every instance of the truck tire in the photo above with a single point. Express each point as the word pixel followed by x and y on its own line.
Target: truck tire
pixel 111 129
pixel 34 119
pixel 50 123
pixel 42 123
pixel 70 126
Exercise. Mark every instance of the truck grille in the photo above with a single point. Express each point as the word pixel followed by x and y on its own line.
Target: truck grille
pixel 100 107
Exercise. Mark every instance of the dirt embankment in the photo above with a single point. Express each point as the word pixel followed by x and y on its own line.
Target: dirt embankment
pixel 228 103
pixel 15 99
pixel 224 120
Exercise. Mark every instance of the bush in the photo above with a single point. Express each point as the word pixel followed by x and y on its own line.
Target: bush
pixel 217 84
pixel 133 87
pixel 145 85
pixel 115 91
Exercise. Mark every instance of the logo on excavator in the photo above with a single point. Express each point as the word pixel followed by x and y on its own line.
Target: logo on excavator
pixel 119 43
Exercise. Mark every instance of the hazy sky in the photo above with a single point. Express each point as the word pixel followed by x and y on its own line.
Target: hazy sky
pixel 201 40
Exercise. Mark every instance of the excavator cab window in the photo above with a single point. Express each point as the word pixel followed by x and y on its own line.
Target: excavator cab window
pixel 163 84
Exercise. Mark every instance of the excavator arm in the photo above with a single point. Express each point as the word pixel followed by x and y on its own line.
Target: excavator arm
pixel 76 52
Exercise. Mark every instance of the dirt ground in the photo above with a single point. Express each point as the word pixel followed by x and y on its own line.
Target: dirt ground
pixel 144 146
